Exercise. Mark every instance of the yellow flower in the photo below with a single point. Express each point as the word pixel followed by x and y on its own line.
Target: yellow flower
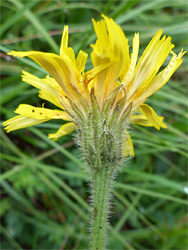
pixel 69 88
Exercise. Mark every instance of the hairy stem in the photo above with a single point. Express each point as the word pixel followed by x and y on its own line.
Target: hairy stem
pixel 101 192
pixel 101 139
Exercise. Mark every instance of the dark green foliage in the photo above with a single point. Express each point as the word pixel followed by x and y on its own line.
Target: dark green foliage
pixel 44 183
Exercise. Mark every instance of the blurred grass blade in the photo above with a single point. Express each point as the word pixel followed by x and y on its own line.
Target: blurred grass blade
pixel 7 235
pixel 150 193
pixel 38 25
pixel 24 60
pixel 63 197
pixel 147 5
pixel 158 179
pixel 69 190
pixel 56 145
pixel 13 19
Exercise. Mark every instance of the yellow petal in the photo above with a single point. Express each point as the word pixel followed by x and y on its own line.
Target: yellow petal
pixel 130 73
pixel 151 116
pixel 81 60
pixel 49 97
pixel 142 120
pixel 99 79
pixel 111 46
pixel 64 130
pixel 50 89
pixel 60 67
pixel 20 121
pixel 151 61
pixel 99 69
pixel 119 44
pixel 70 53
pixel 64 49
pixel 129 149
pixel 64 39
pixel 161 79
pixel 41 113
pixel 42 84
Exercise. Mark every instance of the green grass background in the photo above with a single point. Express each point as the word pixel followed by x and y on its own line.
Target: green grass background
pixel 44 195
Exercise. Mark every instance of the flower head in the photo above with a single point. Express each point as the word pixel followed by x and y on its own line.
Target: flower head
pixel 114 90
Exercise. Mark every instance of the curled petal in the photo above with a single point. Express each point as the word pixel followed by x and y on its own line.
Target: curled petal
pixel 63 130
pixel 142 120
pixel 151 116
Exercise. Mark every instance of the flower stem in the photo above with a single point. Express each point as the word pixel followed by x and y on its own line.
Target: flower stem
pixel 101 141
pixel 101 192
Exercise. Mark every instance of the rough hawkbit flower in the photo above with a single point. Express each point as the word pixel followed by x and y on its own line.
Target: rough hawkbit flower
pixel 118 84
pixel 101 102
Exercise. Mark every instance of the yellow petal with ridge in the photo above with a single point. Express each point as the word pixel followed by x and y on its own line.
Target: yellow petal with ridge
pixel 63 130
pixel 111 46
pixel 50 89
pixel 41 113
pixel 119 43
pixel 43 84
pixel 60 67
pixel 150 62
pixel 161 79
pixel 64 39
pixel 130 73
pixel 81 60
pixel 151 116
pixel 142 120
pixel 51 98
pixel 20 121
pixel 64 49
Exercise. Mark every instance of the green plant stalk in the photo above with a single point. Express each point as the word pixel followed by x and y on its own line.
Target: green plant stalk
pixel 101 139
pixel 101 190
